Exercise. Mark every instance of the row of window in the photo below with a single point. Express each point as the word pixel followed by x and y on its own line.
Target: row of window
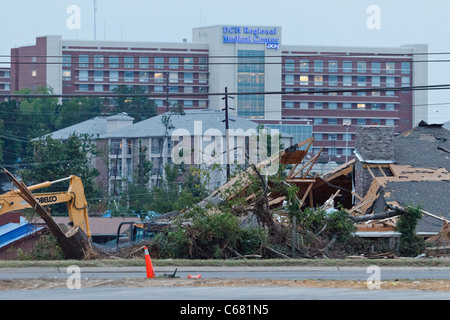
pixel 321 92
pixel 349 121
pixel 347 66
pixel 335 105
pixel 131 76
pixel 346 81
pixel 129 62
pixel 147 89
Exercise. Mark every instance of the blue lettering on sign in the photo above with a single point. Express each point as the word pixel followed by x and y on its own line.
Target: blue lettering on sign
pixel 252 35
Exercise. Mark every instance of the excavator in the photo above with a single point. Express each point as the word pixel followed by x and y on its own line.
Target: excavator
pixel 74 197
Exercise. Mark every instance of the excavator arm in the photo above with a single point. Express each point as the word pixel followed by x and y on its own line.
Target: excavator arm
pixel 74 197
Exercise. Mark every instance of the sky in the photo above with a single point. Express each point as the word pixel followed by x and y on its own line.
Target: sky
pixel 313 22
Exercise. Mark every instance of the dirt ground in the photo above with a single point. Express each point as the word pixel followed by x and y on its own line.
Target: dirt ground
pixel 27 284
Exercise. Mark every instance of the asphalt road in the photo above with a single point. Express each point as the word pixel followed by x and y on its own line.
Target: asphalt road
pixel 275 273
pixel 227 293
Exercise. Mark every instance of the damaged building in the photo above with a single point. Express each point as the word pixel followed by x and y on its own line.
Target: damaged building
pixel 393 172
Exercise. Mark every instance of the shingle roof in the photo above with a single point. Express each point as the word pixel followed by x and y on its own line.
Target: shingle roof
pixel 210 119
pixel 426 146
pixel 95 126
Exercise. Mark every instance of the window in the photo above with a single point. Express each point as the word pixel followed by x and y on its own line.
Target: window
pixel 202 78
pixel 113 62
pixel 318 136
pixel 143 62
pixel 304 65
pixel 67 75
pixel 67 60
pixel 376 81
pixel 318 66
pixel 360 106
pixel 83 75
pixel 112 88
pixel 143 76
pixel 83 87
pixel 203 63
pixel 390 122
pixel 346 105
pixel 361 81
pixel 188 77
pixel 318 80
pixel 7 74
pixel 361 122
pixel 99 61
pixel 361 67
pixel 318 105
pixel 390 82
pixel 289 105
pixel 303 105
pixel 390 107
pixel 173 77
pixel 376 67
pixel 332 121
pixel 346 121
pixel 289 65
pixel 129 62
pixel 332 66
pixel 332 105
pixel 332 81
pixel 304 80
pixel 83 61
pixel 189 63
pixel 318 121
pixel 159 89
pixel 390 67
pixel 188 103
pixel 98 75
pixel 390 93
pixel 347 67
pixel 347 81
pixel 159 63
pixel 405 81
pixel 375 121
pixel 173 63
pixel 114 76
pixel 289 79
pixel 159 77
pixel 128 76
pixel 375 106
pixel 98 88
pixel 406 67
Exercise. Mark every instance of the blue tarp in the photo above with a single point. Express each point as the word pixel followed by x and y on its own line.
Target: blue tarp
pixel 11 232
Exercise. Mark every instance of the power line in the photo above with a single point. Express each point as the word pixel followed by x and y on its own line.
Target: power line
pixel 186 95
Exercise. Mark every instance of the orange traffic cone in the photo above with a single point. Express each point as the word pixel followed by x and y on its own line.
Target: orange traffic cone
pixel 198 276
pixel 148 265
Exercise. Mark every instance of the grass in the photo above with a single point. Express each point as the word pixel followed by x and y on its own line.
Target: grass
pixel 363 262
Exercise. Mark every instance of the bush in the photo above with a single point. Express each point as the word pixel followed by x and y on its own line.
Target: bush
pixel 210 236
pixel 410 243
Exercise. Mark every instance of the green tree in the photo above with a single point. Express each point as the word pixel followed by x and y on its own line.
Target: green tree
pixel 76 110
pixel 139 107
pixel 52 159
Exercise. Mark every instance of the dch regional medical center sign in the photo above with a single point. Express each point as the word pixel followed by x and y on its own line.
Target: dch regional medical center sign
pixel 252 35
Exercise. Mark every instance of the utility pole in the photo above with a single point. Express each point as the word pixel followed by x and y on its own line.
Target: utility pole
pixel 227 127
pixel 95 19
